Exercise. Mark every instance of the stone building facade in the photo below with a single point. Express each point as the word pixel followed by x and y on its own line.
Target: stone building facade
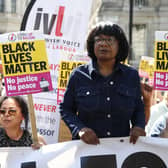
pixel 148 16
pixel 11 14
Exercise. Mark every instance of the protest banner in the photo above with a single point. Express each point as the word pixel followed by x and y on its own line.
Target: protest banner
pixel 64 25
pixel 25 63
pixel 110 153
pixel 25 67
pixel 161 60
pixel 47 119
pixel 65 70
pixel 146 69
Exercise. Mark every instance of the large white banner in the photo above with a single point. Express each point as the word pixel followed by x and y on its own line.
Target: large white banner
pixel 64 24
pixel 111 153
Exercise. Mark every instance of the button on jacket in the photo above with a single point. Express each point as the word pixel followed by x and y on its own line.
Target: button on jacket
pixel 108 105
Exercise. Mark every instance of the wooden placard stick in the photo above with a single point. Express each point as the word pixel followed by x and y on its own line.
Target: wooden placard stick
pixel 32 119
pixel 156 94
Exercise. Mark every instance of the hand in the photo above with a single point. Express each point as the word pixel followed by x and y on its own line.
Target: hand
pixel 40 142
pixel 88 136
pixel 37 145
pixel 164 133
pixel 147 92
pixel 135 133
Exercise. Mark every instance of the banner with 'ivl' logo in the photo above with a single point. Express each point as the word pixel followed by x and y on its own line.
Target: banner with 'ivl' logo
pixel 64 23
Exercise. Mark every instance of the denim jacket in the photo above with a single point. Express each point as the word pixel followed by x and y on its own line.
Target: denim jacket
pixel 108 105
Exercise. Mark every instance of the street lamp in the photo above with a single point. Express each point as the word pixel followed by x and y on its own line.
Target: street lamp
pixel 139 3
pixel 130 30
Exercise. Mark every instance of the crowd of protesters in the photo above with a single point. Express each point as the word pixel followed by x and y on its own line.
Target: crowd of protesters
pixel 102 98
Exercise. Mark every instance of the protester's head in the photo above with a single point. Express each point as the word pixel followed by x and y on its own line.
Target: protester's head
pixel 113 35
pixel 13 110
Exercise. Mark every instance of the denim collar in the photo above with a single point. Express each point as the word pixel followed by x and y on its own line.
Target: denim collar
pixel 93 68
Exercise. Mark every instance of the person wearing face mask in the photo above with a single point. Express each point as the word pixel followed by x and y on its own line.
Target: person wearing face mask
pixel 103 97
pixel 13 110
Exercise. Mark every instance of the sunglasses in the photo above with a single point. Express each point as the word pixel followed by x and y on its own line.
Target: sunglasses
pixel 10 111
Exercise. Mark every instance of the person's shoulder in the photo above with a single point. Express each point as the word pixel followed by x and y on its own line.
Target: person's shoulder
pixel 129 70
pixel 128 67
pixel 161 120
pixel 158 106
pixel 83 68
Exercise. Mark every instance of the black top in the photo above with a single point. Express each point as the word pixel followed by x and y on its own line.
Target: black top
pixel 5 141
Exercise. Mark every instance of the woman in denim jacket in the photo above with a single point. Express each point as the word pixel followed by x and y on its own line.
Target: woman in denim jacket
pixel 103 97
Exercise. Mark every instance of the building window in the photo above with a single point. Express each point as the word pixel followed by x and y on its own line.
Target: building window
pixel 13 6
pixel 2 5
pixel 141 3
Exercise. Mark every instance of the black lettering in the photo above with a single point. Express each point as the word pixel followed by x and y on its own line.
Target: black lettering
pixel 24 46
pixel 31 46
pixel 24 66
pixel 143 159
pixel 31 67
pixel 28 164
pixel 62 74
pixel 48 28
pixel 18 47
pixel 22 57
pixel 65 74
pixel 101 161
pixel 5 48
pixel 63 83
pixel 28 55
pixel 18 68
pixel 9 69
pixel 160 65
pixel 37 66
pixel 14 57
pixel 159 46
pixel 165 55
pixel 38 19
pixel 63 66
pixel 43 65
pixel 158 56
pixel 165 46
pixel 5 59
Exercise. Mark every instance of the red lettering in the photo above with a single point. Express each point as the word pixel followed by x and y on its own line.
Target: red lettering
pixel 49 108
pixel 53 109
pixel 42 107
pixel 59 21
pixel 36 106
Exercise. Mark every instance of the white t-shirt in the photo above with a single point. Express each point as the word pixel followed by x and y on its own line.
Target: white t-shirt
pixel 158 126
pixel 156 111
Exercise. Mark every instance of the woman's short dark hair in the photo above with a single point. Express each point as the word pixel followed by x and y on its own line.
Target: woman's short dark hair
pixel 109 30
pixel 22 104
